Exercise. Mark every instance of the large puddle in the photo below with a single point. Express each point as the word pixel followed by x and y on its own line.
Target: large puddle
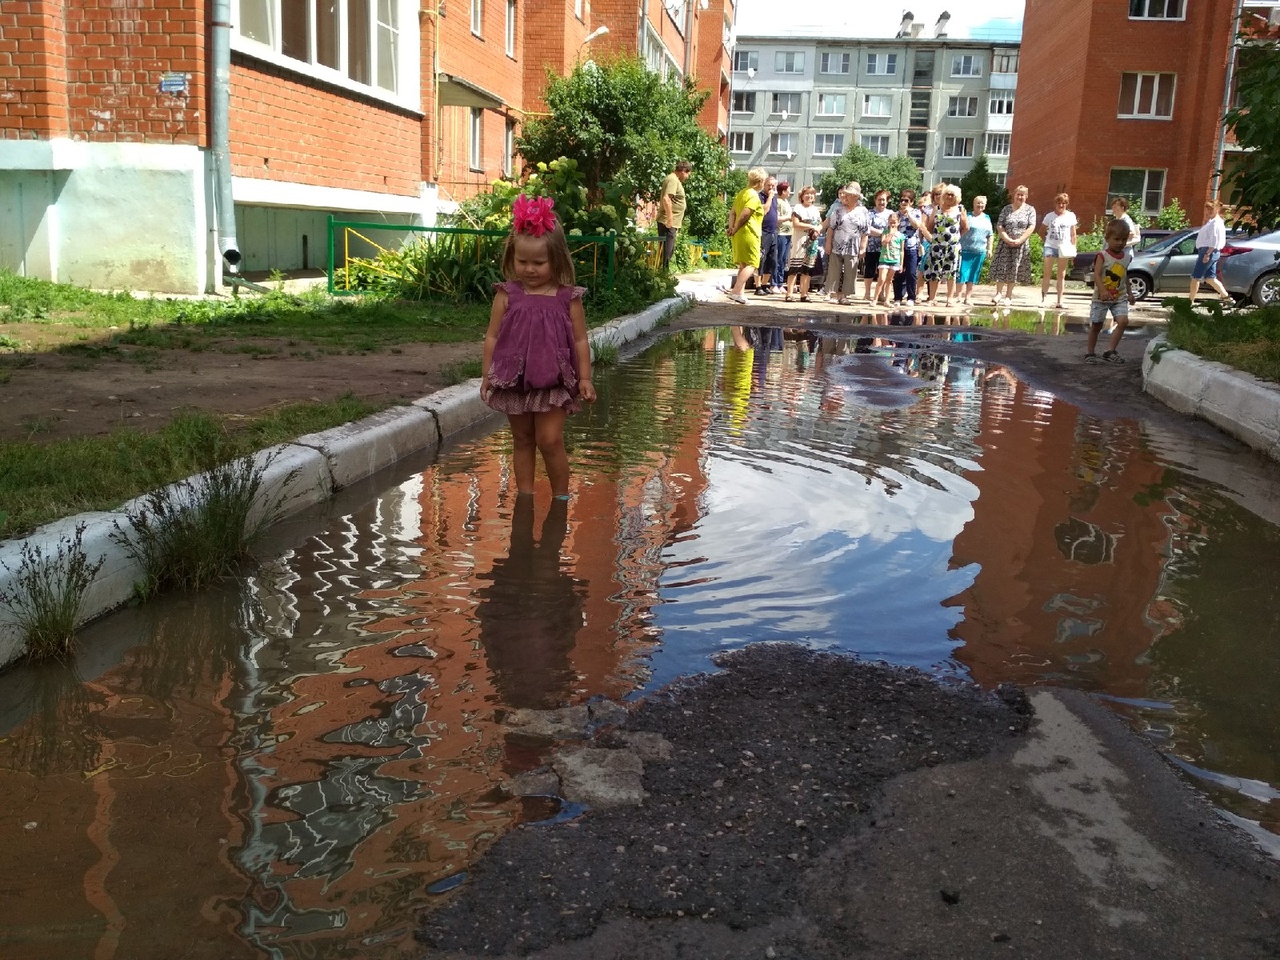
pixel 283 768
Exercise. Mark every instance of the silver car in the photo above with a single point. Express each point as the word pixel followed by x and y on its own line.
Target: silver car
pixel 1250 268
pixel 1164 267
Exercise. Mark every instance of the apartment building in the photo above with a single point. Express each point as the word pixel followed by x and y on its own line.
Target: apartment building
pixel 798 102
pixel 391 111
pixel 1128 100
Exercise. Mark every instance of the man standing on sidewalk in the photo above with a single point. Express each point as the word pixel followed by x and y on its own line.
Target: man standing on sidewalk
pixel 671 207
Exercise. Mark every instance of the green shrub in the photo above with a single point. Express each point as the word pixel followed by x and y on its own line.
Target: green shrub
pixel 48 595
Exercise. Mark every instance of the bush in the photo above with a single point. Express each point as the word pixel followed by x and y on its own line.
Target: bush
pixel 49 595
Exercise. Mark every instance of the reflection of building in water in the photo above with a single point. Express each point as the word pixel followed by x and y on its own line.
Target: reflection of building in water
pixel 1054 532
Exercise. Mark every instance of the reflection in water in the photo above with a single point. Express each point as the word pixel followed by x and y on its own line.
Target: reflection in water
pixel 285 767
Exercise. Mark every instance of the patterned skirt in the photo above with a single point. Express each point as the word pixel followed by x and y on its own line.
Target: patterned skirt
pixel 533 401
pixel 1011 264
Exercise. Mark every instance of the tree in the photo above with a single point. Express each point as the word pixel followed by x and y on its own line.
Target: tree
pixel 625 125
pixel 1256 179
pixel 981 182
pixel 873 173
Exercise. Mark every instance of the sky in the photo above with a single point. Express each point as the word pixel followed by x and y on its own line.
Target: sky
pixel 871 19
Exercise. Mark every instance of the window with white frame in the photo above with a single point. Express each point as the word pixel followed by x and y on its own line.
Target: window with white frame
pixel 788 61
pixel 998 144
pixel 834 63
pixel 509 149
pixel 877 105
pixel 828 145
pixel 511 28
pixel 744 60
pixel 359 41
pixel 476 154
pixel 962 107
pixel 744 102
pixel 999 178
pixel 1000 103
pixel 1157 9
pixel 831 104
pixel 1004 62
pixel 876 143
pixel 477 17
pixel 786 104
pixel 957 146
pixel 966 65
pixel 882 64
pixel 786 143
pixel 1147 95
pixel 741 142
pixel 1146 187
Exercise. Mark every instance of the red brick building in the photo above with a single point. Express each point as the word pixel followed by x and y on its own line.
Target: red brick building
pixel 1121 97
pixel 389 111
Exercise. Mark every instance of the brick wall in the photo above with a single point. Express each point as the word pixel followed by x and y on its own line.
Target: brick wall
pixel 33 100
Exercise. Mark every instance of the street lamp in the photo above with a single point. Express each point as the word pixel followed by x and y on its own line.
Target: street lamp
pixel 595 34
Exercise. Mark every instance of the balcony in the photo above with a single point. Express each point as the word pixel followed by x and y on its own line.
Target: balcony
pixel 1000 122
pixel 1004 81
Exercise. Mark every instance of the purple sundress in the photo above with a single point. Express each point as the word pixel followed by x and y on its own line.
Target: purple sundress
pixel 534 367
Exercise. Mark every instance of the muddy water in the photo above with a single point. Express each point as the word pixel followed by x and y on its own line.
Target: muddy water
pixel 284 767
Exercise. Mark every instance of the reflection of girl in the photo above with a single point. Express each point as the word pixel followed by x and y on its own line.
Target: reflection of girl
pixel 530 612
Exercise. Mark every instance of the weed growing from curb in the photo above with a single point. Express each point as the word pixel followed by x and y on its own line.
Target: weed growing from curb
pixel 606 354
pixel 200 530
pixel 48 595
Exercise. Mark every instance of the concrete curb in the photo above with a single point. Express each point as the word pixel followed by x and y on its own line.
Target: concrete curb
pixel 1237 403
pixel 297 475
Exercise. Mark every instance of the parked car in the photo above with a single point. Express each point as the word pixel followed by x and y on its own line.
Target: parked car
pixel 1082 265
pixel 1249 267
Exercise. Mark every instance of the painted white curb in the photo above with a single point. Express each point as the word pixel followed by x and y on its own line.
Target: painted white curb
pixel 297 475
pixel 1237 403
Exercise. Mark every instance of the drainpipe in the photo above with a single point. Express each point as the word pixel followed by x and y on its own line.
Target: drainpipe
pixel 220 134
pixel 1215 182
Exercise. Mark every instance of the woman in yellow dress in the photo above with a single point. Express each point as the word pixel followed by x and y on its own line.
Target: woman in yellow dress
pixel 745 224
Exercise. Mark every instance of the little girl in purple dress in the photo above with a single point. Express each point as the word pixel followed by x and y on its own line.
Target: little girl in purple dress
pixel 537 358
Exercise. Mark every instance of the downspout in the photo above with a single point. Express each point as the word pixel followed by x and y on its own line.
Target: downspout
pixel 688 37
pixel 1215 182
pixel 220 134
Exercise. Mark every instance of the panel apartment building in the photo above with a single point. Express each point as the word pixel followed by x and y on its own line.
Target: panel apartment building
pixel 798 102
pixel 384 110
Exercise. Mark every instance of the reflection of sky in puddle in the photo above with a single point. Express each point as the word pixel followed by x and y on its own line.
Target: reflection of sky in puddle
pixel 322 743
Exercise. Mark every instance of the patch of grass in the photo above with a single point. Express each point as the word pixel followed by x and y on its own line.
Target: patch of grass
pixel 198 531
pixel 48 595
pixel 9 343
pixel 606 354
pixel 40 482
pixel 461 372
pixel 1248 340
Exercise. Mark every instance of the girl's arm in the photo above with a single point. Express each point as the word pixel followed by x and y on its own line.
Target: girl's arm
pixel 582 346
pixel 491 340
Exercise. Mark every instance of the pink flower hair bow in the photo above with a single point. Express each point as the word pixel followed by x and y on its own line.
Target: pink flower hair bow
pixel 533 215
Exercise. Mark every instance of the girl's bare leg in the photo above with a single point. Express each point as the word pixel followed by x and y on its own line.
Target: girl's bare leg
pixel 524 450
pixel 805 279
pixel 549 435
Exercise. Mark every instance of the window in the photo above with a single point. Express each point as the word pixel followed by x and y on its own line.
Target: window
pixel 877 105
pixel 920 108
pixel 784 143
pixel 999 179
pixel 1156 9
pixel 785 62
pixel 957 146
pixel 882 64
pixel 923 73
pixel 966 65
pixel 1001 103
pixel 509 149
pixel 828 145
pixel 744 60
pixel 511 28
pixel 744 102
pixel 742 142
pixel 917 147
pixel 1141 187
pixel 476 157
pixel 831 104
pixel 998 144
pixel 787 104
pixel 1004 62
pixel 876 143
pixel 361 40
pixel 962 107
pixel 1147 95
pixel 834 63
pixel 477 17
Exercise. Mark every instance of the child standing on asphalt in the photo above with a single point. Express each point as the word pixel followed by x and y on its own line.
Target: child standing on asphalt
pixel 1111 293
pixel 537 358
pixel 891 243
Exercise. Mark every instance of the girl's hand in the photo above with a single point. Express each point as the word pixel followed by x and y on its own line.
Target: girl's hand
pixel 486 389
pixel 587 390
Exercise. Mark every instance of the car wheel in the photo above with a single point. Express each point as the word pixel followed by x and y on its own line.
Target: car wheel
pixel 1266 289
pixel 1139 285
